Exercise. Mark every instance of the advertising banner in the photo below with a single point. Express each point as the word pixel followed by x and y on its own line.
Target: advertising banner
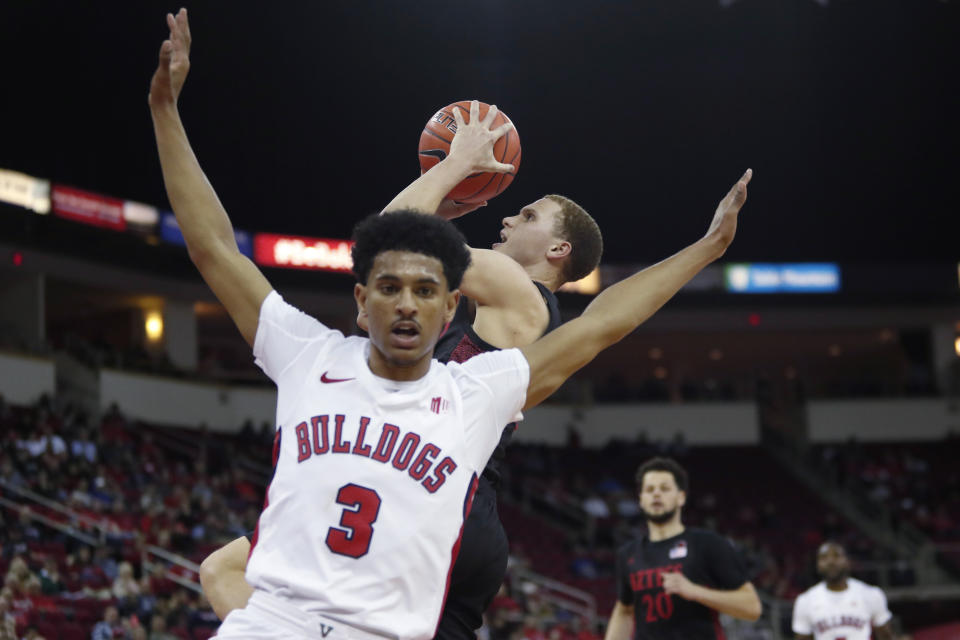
pixel 782 278
pixel 88 208
pixel 299 252
pixel 25 191
pixel 170 232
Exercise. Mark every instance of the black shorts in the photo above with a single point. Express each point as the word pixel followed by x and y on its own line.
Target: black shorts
pixel 479 569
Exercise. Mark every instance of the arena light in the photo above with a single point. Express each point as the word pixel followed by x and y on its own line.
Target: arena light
pixel 589 284
pixel 956 346
pixel 153 326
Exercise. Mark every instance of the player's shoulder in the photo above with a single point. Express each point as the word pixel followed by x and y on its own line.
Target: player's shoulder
pixel 812 592
pixel 629 548
pixel 486 364
pixel 863 587
pixel 708 537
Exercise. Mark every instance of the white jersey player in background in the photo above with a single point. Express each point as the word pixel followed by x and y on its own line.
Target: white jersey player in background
pixel 378 445
pixel 840 607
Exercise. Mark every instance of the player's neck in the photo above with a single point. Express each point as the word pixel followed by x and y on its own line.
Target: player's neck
pixel 657 532
pixel 837 585
pixel 545 274
pixel 381 367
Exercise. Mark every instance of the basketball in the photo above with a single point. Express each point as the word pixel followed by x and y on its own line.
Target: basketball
pixel 435 145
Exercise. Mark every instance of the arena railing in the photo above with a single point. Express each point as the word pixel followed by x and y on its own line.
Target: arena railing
pixel 559 594
pixel 166 556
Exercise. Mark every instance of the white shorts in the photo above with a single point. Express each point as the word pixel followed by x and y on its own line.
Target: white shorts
pixel 268 617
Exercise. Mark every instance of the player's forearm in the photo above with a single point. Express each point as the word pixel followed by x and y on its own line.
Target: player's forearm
pixel 629 303
pixel 428 191
pixel 742 603
pixel 620 626
pixel 202 219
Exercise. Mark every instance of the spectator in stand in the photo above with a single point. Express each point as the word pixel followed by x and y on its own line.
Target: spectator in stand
pixel 50 581
pixel 125 588
pixel 83 447
pixel 8 624
pixel 109 627
pixel 158 629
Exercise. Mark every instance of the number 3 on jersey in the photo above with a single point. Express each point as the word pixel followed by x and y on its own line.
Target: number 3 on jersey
pixel 362 508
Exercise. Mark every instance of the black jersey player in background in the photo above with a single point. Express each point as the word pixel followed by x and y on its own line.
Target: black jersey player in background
pixel 674 581
pixel 508 301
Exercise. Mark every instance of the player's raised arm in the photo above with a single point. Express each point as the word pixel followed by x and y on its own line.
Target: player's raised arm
pixel 236 282
pixel 626 305
pixel 492 280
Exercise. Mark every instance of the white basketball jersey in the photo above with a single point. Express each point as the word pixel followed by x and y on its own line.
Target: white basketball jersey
pixel 373 477
pixel 850 614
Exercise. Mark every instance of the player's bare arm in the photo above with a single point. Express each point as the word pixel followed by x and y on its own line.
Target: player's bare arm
pixel 620 626
pixel 222 577
pixel 626 305
pixel 234 279
pixel 798 636
pixel 884 632
pixel 742 603
pixel 513 310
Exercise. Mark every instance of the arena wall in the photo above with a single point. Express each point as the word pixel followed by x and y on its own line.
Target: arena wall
pixel 187 404
pixel 882 420
pixel 23 379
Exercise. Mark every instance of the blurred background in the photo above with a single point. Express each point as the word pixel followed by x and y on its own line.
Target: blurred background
pixel 809 382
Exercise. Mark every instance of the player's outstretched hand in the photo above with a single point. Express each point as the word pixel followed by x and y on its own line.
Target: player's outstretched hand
pixel 450 209
pixel 678 584
pixel 174 62
pixel 724 225
pixel 474 140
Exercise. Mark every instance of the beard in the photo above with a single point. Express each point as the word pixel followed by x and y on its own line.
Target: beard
pixel 660 518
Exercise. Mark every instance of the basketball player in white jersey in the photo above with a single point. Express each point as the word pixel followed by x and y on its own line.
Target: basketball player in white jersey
pixel 840 607
pixel 379 446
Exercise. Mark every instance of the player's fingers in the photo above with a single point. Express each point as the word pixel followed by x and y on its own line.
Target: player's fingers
pixel 184 26
pixel 500 131
pixel 747 176
pixel 474 111
pixel 458 117
pixel 491 114
pixel 165 50
pixel 500 167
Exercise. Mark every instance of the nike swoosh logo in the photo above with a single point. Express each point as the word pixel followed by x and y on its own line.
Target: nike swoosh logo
pixel 439 154
pixel 327 380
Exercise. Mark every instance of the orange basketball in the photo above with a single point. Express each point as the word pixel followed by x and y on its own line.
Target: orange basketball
pixel 435 145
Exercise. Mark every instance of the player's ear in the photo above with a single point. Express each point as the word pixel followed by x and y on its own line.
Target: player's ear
pixel 360 295
pixel 558 250
pixel 681 498
pixel 450 310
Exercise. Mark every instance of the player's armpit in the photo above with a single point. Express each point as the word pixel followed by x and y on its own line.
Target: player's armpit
pixel 510 309
pixel 559 354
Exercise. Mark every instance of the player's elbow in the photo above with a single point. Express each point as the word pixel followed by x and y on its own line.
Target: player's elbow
pixel 753 609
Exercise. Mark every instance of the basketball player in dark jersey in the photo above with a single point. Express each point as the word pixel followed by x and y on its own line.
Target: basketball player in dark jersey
pixel 674 581
pixel 508 301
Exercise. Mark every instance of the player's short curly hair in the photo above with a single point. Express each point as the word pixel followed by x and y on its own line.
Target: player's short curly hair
pixel 664 464
pixel 577 227
pixel 408 230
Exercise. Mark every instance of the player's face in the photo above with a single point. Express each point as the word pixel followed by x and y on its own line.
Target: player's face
pixel 832 562
pixel 660 498
pixel 403 307
pixel 530 236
